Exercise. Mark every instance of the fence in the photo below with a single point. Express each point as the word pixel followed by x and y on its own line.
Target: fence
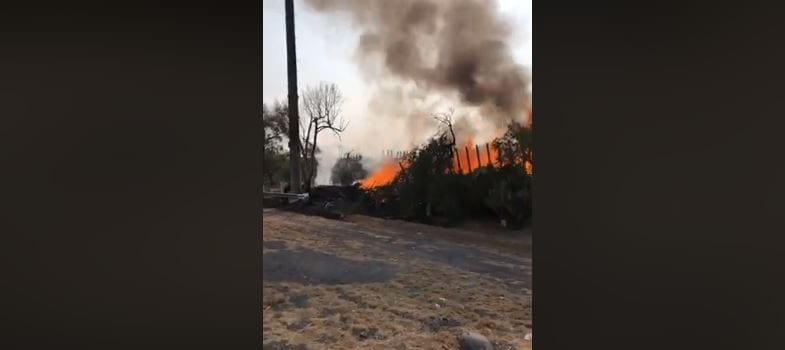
pixel 395 155
pixel 462 159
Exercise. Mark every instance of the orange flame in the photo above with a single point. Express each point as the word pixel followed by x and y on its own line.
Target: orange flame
pixel 485 158
pixel 386 174
pixel 383 176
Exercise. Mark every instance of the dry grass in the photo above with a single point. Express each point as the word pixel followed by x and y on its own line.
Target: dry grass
pixel 424 306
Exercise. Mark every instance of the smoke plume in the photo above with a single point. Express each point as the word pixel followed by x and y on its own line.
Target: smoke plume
pixel 452 47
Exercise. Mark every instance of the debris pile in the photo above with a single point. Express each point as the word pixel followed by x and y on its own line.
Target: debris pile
pixel 332 202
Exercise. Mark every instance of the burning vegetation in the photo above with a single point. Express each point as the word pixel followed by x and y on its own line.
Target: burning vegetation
pixel 430 184
pixel 515 147
pixel 457 50
pixel 384 176
pixel 434 185
pixel 417 56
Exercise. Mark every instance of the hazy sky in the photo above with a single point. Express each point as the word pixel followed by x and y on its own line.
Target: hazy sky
pixel 325 53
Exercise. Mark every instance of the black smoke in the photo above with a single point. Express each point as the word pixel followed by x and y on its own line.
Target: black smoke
pixel 449 46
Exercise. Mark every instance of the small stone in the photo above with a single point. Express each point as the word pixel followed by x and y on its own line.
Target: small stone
pixel 503 345
pixel 437 305
pixel 474 341
pixel 299 300
pixel 299 325
pixel 436 324
pixel 528 336
pixel 368 333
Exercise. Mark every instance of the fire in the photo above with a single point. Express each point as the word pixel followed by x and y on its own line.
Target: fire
pixel 488 156
pixel 386 174
pixel 383 176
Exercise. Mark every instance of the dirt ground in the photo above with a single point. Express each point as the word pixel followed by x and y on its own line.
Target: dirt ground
pixel 367 283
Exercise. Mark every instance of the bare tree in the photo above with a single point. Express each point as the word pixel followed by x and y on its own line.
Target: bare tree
pixel 322 106
pixel 446 119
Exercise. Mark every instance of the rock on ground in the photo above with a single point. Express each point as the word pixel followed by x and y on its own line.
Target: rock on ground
pixel 474 341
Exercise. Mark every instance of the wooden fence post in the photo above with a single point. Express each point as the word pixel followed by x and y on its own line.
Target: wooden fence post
pixel 488 150
pixel 479 161
pixel 468 160
pixel 458 160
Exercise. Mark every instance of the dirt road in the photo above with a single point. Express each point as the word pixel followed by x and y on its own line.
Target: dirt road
pixel 367 283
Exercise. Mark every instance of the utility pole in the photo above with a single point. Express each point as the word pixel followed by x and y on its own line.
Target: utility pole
pixel 294 118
